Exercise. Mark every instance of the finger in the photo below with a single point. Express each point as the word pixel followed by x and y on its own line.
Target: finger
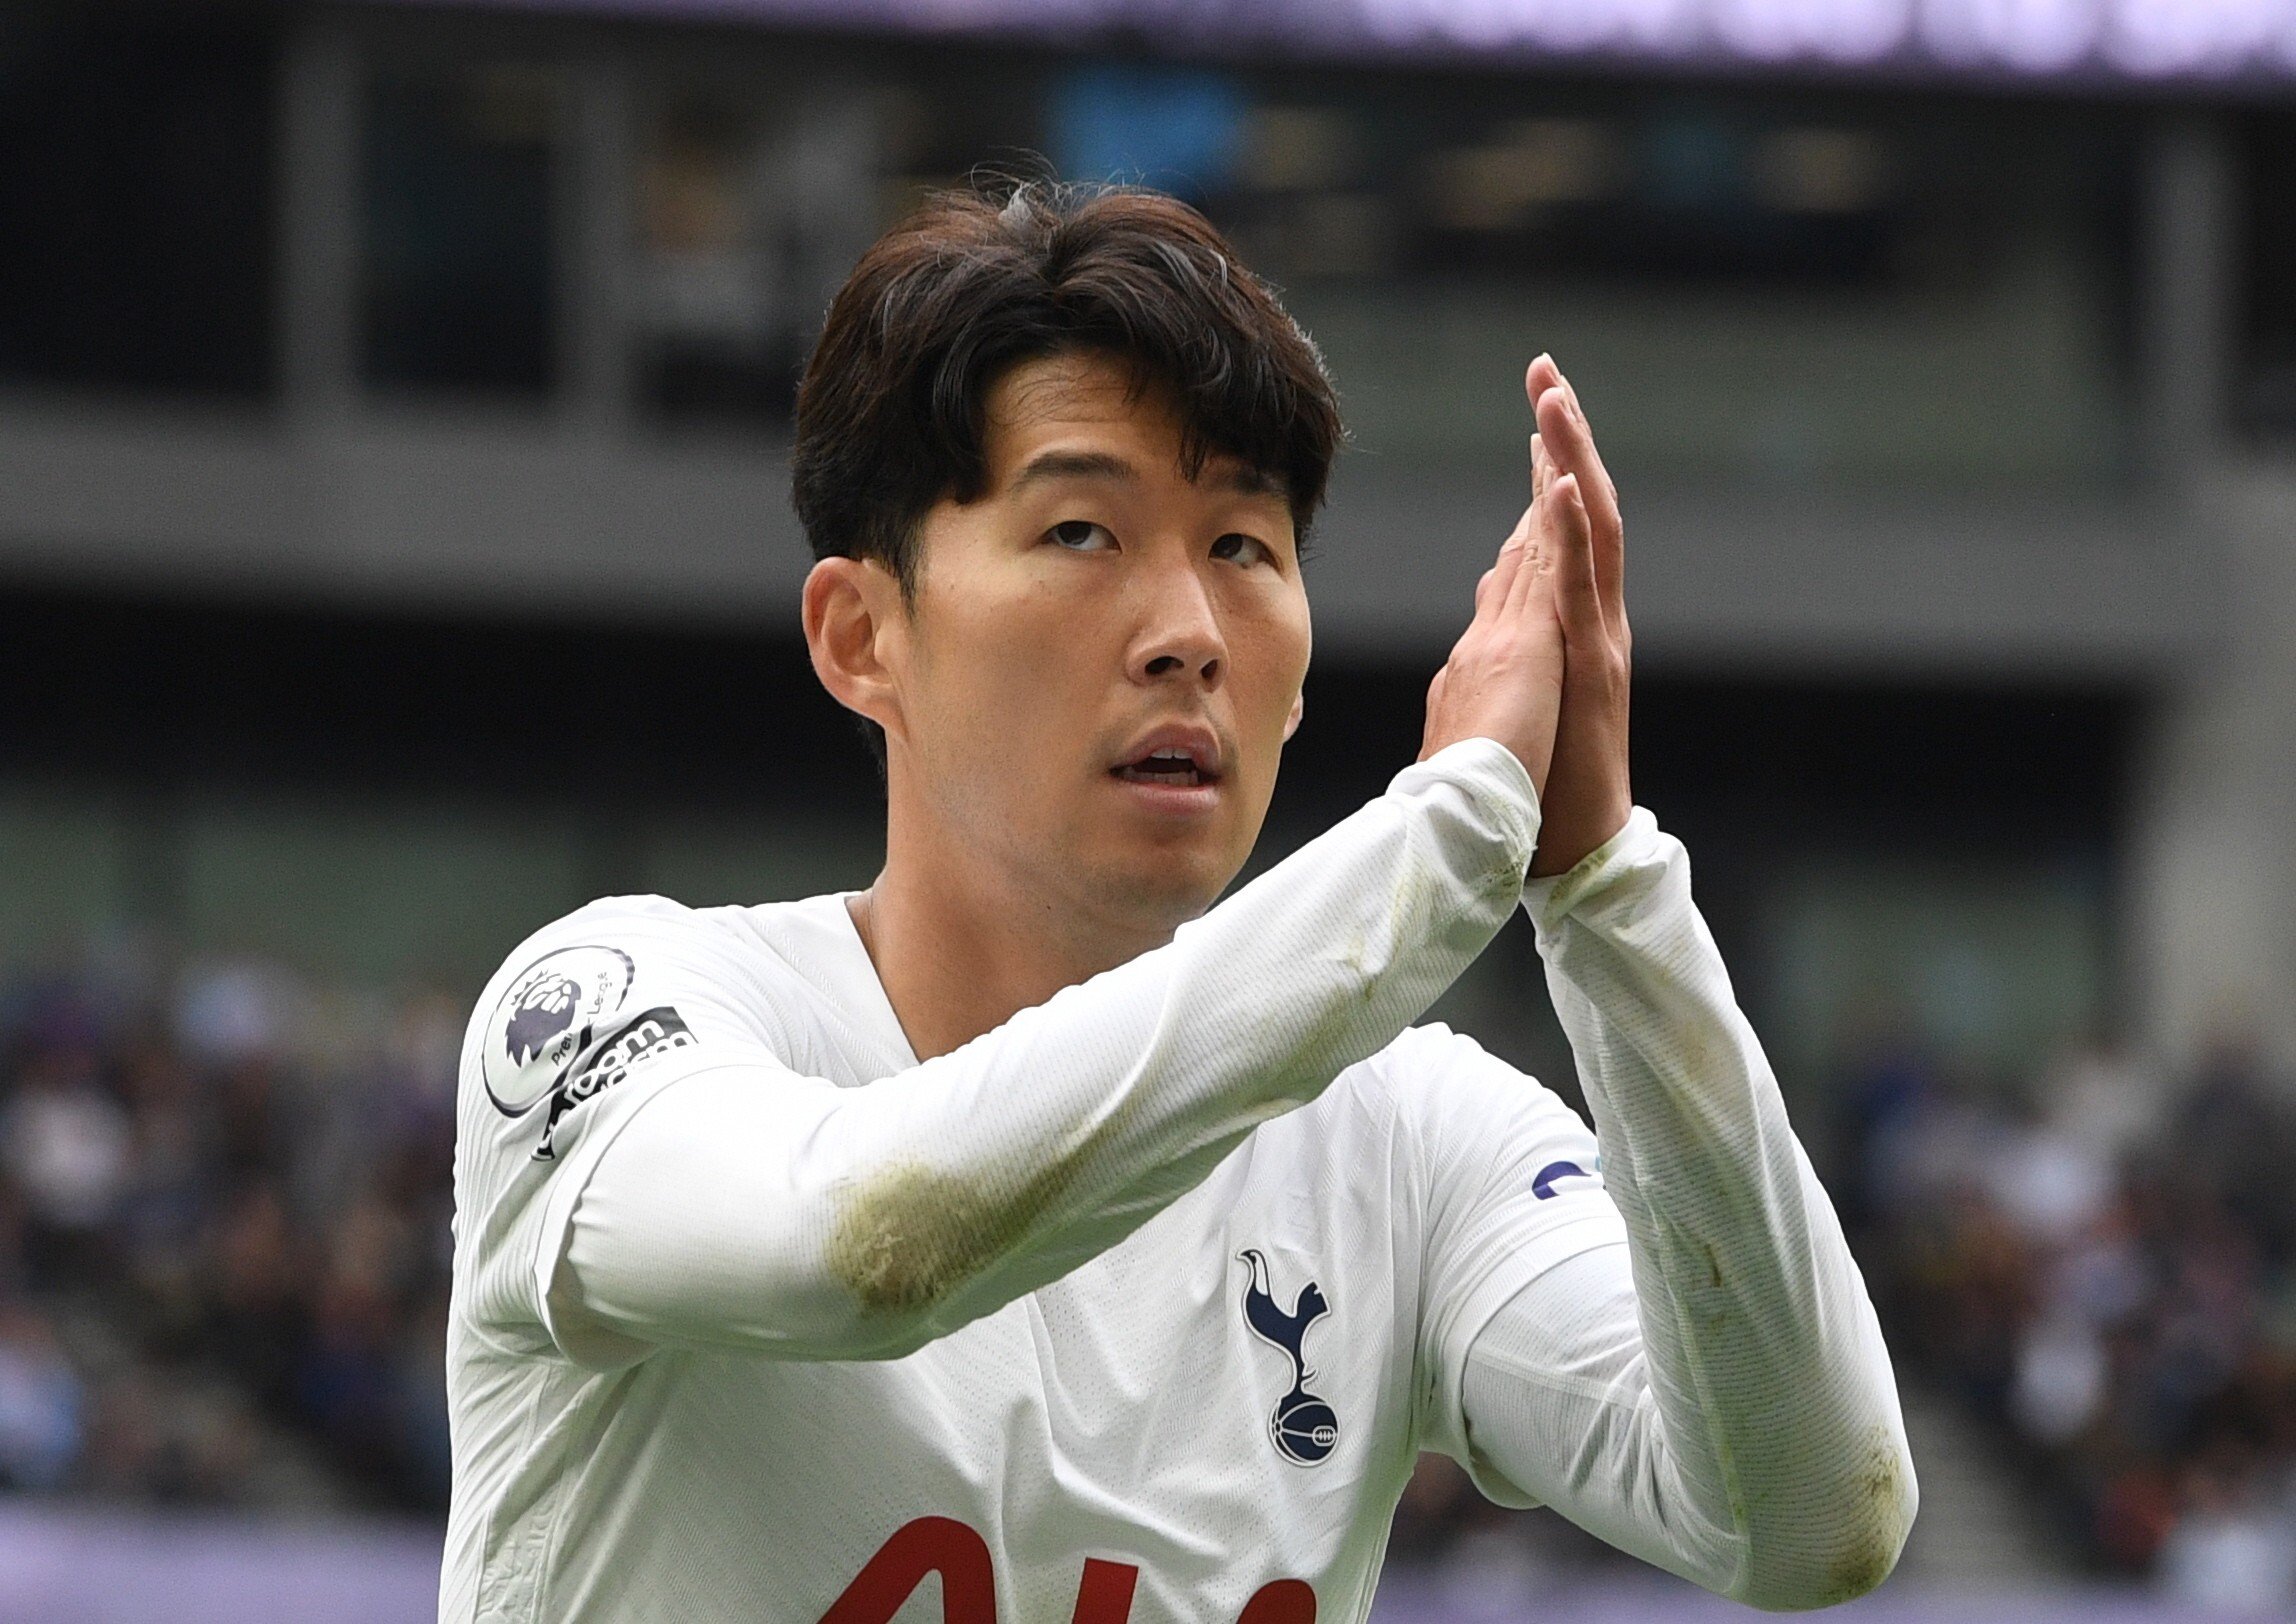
pixel 1526 529
pixel 1535 579
pixel 1542 376
pixel 1491 585
pixel 1532 592
pixel 1578 599
pixel 1569 445
pixel 1512 552
pixel 1542 468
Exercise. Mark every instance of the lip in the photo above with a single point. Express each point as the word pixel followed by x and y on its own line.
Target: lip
pixel 1193 740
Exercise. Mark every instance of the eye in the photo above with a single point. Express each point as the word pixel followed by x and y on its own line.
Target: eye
pixel 1243 549
pixel 1081 536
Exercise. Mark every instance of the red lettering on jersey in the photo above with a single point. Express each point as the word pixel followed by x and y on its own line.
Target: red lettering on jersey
pixel 1287 1601
pixel 960 1556
pixel 929 1545
pixel 1105 1596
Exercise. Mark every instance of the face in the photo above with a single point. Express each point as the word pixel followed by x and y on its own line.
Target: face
pixel 1090 692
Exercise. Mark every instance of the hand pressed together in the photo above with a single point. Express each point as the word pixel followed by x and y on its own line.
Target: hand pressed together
pixel 1544 666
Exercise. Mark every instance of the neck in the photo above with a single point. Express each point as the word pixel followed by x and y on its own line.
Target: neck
pixel 960 951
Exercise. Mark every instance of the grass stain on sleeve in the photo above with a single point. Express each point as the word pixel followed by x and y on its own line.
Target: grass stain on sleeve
pixel 908 1237
pixel 1879 1523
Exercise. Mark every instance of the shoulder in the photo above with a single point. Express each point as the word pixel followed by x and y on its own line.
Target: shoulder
pixel 657 939
pixel 1431 1072
pixel 1470 1115
pixel 589 962
pixel 648 964
pixel 615 924
pixel 1437 1095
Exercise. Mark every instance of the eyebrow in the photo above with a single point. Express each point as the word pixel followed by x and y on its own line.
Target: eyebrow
pixel 1050 465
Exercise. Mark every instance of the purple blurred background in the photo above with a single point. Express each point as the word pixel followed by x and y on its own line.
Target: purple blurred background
pixel 2015 39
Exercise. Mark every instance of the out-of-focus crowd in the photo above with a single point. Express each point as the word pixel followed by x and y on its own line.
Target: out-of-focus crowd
pixel 224 1246
pixel 2101 1259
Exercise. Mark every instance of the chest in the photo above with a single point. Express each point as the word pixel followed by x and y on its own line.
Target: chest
pixel 1221 1403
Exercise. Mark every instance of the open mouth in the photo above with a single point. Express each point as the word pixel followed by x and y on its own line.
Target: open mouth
pixel 1174 755
pixel 1174 768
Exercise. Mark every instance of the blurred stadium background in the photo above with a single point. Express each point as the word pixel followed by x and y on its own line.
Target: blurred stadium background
pixel 394 553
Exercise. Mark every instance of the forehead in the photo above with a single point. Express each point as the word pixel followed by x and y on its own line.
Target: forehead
pixel 1085 399
pixel 1052 390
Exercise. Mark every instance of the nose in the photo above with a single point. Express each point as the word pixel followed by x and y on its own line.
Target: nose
pixel 1180 638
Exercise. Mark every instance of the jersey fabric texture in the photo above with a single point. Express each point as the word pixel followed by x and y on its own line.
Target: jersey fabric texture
pixel 1143 1305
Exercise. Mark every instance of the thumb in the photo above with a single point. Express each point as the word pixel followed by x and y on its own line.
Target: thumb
pixel 1434 709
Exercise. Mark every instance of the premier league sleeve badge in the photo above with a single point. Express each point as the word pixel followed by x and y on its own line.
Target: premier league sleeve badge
pixel 552 1011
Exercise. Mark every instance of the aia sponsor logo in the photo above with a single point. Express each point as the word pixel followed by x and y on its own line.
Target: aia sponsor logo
pixel 657 1031
pixel 959 1557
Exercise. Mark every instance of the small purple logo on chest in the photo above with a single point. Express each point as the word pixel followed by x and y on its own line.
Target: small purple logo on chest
pixel 1303 1427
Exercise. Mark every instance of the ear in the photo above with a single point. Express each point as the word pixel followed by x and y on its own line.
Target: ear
pixel 1298 710
pixel 855 619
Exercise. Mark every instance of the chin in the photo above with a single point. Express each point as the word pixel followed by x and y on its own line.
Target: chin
pixel 1163 890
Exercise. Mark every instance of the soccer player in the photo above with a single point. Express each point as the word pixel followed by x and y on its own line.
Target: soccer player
pixel 1030 1237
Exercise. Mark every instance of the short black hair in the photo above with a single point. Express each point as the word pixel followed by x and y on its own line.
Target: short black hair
pixel 892 408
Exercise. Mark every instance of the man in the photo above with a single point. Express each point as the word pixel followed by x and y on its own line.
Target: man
pixel 1026 1237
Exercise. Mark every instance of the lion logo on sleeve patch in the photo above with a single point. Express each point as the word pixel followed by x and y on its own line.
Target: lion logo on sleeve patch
pixel 548 1018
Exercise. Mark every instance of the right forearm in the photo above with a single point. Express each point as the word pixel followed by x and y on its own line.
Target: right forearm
pixel 824 1222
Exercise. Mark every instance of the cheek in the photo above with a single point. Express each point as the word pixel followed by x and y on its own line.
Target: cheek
pixel 999 670
pixel 1272 663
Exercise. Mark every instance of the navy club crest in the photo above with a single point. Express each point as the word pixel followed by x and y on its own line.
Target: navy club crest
pixel 1303 1427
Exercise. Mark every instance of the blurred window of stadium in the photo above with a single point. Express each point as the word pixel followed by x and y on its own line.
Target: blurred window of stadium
pixel 761 177
pixel 460 268
pixel 2266 374
pixel 752 201
pixel 1806 283
pixel 1940 286
pixel 136 213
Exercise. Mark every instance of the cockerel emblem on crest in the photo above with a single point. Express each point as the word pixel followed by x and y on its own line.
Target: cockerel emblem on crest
pixel 1303 1427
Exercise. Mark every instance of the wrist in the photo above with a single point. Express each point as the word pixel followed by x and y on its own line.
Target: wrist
pixel 1567 840
pixel 1494 779
pixel 1594 880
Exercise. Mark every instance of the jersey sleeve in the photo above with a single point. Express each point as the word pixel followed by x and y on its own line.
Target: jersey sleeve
pixel 1715 1395
pixel 1513 1182
pixel 592 1018
pixel 715 1196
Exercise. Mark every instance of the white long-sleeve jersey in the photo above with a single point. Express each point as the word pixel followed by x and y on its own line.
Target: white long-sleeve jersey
pixel 1142 1305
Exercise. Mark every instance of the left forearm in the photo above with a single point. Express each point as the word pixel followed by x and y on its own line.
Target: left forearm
pixel 1766 1364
